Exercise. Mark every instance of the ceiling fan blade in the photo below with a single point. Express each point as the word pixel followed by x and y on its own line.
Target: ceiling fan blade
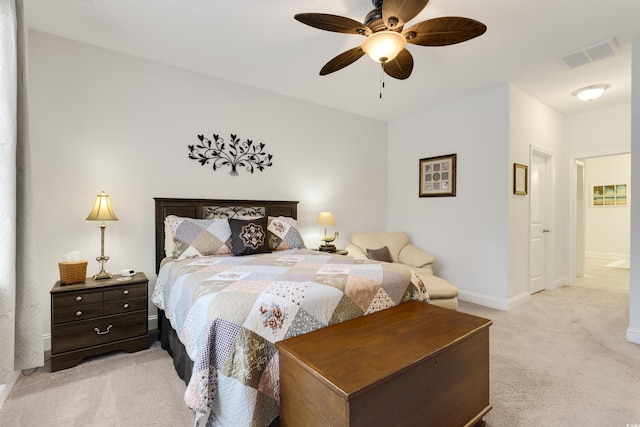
pixel 396 13
pixel 335 23
pixel 444 31
pixel 342 60
pixel 401 67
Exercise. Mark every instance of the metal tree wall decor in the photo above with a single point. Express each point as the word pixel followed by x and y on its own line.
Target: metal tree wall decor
pixel 244 154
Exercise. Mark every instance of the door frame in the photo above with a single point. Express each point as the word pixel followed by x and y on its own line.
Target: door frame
pixel 581 199
pixel 573 183
pixel 549 262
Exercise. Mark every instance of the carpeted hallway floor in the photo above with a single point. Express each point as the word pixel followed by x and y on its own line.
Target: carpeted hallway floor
pixel 560 360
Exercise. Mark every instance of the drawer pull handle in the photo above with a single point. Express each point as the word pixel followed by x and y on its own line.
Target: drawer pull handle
pixel 126 306
pixel 126 292
pixel 99 332
pixel 78 298
pixel 78 313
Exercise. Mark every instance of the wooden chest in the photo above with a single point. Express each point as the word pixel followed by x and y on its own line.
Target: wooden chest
pixel 411 365
pixel 96 317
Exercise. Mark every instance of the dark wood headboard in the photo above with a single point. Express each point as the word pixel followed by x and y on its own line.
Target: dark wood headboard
pixel 198 208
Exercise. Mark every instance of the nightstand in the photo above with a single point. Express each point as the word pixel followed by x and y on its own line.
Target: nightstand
pixel 97 317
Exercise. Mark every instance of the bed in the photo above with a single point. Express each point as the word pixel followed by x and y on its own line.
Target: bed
pixel 220 314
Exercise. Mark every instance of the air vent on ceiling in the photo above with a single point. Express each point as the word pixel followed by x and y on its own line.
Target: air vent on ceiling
pixel 590 54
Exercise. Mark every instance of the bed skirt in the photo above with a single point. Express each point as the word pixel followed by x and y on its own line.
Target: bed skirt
pixel 170 342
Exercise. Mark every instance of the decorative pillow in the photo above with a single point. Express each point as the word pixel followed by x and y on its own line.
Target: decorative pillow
pixel 169 246
pixel 381 254
pixel 197 237
pixel 249 236
pixel 283 234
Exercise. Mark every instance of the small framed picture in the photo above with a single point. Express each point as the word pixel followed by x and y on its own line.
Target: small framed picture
pixel 609 195
pixel 438 176
pixel 520 179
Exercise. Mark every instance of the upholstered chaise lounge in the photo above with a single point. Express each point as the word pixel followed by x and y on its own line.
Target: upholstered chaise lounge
pixel 402 252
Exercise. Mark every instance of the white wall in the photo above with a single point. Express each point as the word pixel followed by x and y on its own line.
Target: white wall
pixel 533 125
pixel 599 132
pixel 467 233
pixel 102 120
pixel 608 227
pixel 633 333
pixel 480 237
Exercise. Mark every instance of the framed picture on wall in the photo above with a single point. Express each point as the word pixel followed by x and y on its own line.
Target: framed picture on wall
pixel 520 179
pixel 438 176
pixel 609 195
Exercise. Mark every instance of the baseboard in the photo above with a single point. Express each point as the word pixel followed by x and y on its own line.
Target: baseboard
pixel 633 335
pixel 493 302
pixel 46 339
pixel 558 283
pixel 5 389
pixel 152 322
pixel 609 255
pixel 519 300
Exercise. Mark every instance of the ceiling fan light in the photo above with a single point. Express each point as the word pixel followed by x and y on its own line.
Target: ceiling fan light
pixel 384 46
pixel 590 93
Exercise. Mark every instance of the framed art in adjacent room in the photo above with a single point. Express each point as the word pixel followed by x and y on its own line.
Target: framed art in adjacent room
pixel 609 195
pixel 520 179
pixel 438 176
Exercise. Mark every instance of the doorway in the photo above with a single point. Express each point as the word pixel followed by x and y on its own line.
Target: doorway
pixel 601 231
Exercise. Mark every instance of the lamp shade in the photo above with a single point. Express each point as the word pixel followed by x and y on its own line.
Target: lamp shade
pixel 384 46
pixel 102 210
pixel 325 218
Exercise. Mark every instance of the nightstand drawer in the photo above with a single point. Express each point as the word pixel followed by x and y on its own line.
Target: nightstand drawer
pixel 103 330
pixel 71 314
pixel 75 299
pixel 125 305
pixel 131 291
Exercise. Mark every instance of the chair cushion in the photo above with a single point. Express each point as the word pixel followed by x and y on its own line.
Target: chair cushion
pixel 437 286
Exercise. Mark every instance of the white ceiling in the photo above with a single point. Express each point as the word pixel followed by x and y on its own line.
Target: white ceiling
pixel 258 43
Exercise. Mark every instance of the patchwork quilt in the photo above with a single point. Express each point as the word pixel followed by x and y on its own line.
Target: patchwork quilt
pixel 229 311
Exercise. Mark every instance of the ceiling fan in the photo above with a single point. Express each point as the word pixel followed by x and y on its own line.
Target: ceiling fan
pixel 386 37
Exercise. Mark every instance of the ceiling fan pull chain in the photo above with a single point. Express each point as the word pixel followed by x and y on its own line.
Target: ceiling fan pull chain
pixel 381 79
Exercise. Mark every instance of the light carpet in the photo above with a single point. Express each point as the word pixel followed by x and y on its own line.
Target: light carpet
pixel 116 390
pixel 560 360
pixel 563 360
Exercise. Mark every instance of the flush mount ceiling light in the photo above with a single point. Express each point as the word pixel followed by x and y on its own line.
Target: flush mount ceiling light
pixel 386 37
pixel 590 93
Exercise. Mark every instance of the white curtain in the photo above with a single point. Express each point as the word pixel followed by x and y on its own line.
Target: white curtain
pixel 20 318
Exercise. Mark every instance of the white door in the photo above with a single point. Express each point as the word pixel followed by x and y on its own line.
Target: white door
pixel 539 230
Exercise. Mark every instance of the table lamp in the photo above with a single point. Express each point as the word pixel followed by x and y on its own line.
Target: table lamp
pixel 102 212
pixel 325 218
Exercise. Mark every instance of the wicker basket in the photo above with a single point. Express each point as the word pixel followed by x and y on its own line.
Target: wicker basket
pixel 72 272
